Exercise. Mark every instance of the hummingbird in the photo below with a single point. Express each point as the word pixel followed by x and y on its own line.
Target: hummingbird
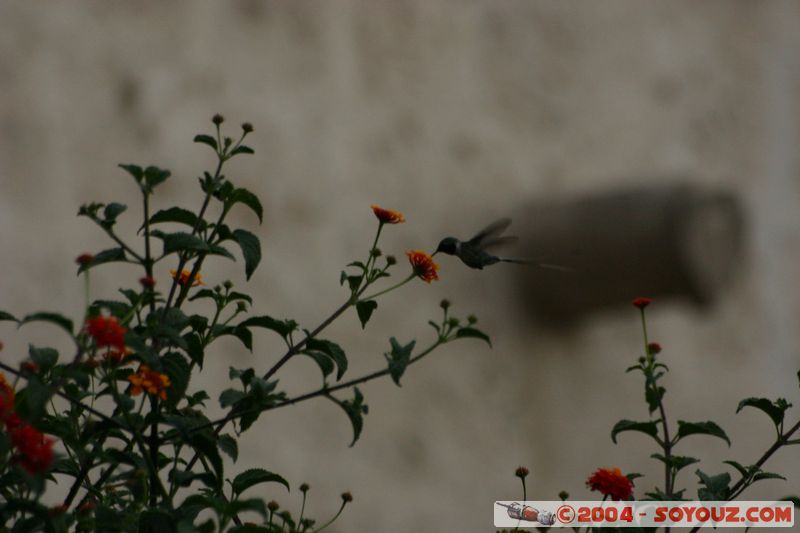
pixel 474 254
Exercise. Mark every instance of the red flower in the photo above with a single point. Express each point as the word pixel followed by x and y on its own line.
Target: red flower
pixel 147 282
pixel 183 279
pixel 423 265
pixel 84 259
pixel 387 216
pixel 6 399
pixel 106 331
pixel 641 302
pixel 35 450
pixel 653 348
pixel 611 483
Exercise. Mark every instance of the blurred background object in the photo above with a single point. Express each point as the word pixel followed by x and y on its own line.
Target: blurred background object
pixel 455 113
pixel 668 241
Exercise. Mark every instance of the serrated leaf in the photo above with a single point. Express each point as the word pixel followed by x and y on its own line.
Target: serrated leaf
pixel 251 250
pixel 174 214
pixel 355 410
pixel 206 139
pixel 230 397
pixel 229 446
pixel 677 462
pixel 255 476
pixel 332 350
pixel 281 327
pixel 473 333
pixel 241 195
pixel 53 318
pixel 701 428
pixel 648 428
pixel 774 410
pixel 365 308
pixel 715 488
pixel 398 358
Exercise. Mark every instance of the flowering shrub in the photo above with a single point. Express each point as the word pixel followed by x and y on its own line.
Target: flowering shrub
pixel 120 421
pixel 612 483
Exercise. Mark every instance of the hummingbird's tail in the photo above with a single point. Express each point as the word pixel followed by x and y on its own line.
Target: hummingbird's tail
pixel 548 266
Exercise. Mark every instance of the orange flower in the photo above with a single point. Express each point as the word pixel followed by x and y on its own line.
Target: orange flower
pixel 107 331
pixel 387 216
pixel 423 265
pixel 6 399
pixel 183 279
pixel 149 380
pixel 611 483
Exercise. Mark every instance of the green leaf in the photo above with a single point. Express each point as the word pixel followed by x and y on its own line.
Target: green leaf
pixel 767 475
pixel 174 214
pixel 106 256
pixel 715 488
pixel 240 195
pixel 154 176
pixel 744 472
pixel 228 445
pixel 46 358
pixel 181 241
pixel 364 308
pixel 677 462
pixel 775 410
pixel 134 170
pixel 355 410
pixel 251 250
pixel 255 476
pixel 7 316
pixel 649 428
pixel 111 212
pixel 324 362
pixel 332 350
pixel 32 400
pixel 701 428
pixel 177 368
pixel 156 521
pixel 281 327
pixel 474 333
pixel 206 139
pixel 53 318
pixel 242 149
pixel 230 397
pixel 398 358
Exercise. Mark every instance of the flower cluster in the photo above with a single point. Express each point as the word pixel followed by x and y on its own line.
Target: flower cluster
pixel 146 379
pixel 107 332
pixel 423 265
pixel 185 277
pixel 611 482
pixel 34 449
pixel 387 216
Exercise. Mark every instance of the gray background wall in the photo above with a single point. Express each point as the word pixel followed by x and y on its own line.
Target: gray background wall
pixel 454 112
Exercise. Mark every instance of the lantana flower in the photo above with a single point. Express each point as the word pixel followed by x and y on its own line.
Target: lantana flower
pixel 388 216
pixel 35 450
pixel 641 302
pixel 146 379
pixel 183 279
pixel 7 398
pixel 611 482
pixel 423 265
pixel 107 332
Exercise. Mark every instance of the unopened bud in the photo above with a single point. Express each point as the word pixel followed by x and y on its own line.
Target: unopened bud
pixel 521 472
pixel 391 260
pixel 247 127
pixel 347 497
pixel 563 495
pixel 304 487
pixel 444 304
pixel 217 119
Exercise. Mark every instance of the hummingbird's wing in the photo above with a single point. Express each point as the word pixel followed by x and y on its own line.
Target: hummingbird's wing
pixel 498 242
pixel 493 230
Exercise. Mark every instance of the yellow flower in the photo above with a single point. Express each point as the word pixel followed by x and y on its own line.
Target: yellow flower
pixel 149 380
pixel 183 279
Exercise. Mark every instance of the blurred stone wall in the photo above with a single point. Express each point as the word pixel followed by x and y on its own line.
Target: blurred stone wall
pixel 456 113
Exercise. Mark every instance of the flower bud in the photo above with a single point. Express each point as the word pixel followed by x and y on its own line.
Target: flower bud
pixel 84 259
pixel 521 472
pixel 391 260
pixel 563 495
pixel 444 304
pixel 247 127
pixel 147 282
pixel 228 284
pixel 347 497
pixel 217 119
pixel 273 506
pixel 304 488
pixel 472 319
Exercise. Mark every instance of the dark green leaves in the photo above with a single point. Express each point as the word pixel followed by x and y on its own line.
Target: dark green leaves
pixel 775 410
pixel 46 358
pixel 322 349
pixel 398 358
pixel 206 139
pixel 676 462
pixel 251 250
pixel 241 195
pixel 714 488
pixel 106 256
pixel 281 327
pixel 355 410
pixel 467 332
pixel 183 242
pixel 649 428
pixel 254 476
pixel 7 316
pixel 365 308
pixel 700 428
pixel 174 214
pixel 53 318
pixel 148 178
